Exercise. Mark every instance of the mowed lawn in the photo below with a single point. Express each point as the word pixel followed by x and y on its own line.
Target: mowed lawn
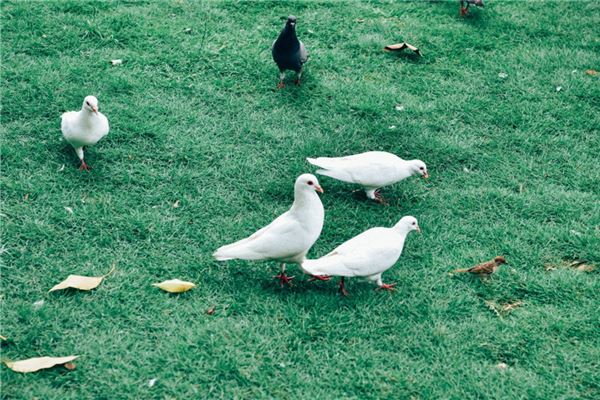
pixel 196 119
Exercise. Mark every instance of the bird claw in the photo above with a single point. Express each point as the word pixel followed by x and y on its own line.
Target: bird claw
pixel 387 286
pixel 379 198
pixel 297 82
pixel 284 279
pixel 84 166
pixel 343 290
pixel 323 278
pixel 280 85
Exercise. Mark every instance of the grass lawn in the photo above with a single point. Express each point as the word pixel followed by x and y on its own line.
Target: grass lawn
pixel 196 118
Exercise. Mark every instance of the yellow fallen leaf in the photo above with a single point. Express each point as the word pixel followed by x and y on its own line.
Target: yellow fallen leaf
pixel 35 364
pixel 402 46
pixel 3 338
pixel 174 286
pixel 81 282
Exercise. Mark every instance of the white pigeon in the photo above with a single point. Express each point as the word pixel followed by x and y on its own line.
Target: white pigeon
pixel 372 170
pixel 367 255
pixel 289 237
pixel 84 128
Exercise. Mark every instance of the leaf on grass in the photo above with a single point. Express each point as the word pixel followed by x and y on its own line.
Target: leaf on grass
pixel 591 72
pixel 175 286
pixel 402 46
pixel 35 364
pixel 116 62
pixel 81 282
pixel 3 338
pixel 69 210
pixel 211 310
pixel 502 309
pixel 176 204
pixel 577 265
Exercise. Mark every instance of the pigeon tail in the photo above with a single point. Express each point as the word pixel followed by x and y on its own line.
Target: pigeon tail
pixel 235 250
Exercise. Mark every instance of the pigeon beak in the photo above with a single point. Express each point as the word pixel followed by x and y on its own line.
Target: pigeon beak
pixel 426 175
pixel 418 229
pixel 319 189
pixel 95 109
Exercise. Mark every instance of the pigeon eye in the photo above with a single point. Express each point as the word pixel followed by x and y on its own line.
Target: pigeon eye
pixel 87 103
pixel 414 223
pixel 310 183
pixel 421 168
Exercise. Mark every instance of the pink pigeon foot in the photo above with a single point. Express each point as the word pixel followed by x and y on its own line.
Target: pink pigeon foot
pixel 379 198
pixel 388 287
pixel 324 278
pixel 342 288
pixel 84 166
pixel 284 279
pixel 280 85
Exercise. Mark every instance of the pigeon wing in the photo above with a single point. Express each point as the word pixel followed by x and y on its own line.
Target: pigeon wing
pixel 368 169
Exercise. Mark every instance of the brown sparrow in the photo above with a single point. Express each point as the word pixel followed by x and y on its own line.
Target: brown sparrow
pixel 484 269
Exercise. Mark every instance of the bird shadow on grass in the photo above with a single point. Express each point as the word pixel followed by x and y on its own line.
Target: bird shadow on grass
pixel 406 57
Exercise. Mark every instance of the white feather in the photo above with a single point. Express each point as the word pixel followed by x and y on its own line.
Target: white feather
pixel 83 128
pixel 289 237
pixel 371 170
pixel 367 255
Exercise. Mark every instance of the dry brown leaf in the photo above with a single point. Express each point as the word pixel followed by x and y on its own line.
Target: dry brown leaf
pixel 3 338
pixel 211 310
pixel 591 72
pixel 35 364
pixel 511 306
pixel 175 286
pixel 578 265
pixel 586 268
pixel 360 20
pixel 81 282
pixel 502 309
pixel 176 204
pixel 402 46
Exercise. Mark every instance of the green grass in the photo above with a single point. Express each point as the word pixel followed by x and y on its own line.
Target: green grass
pixel 195 117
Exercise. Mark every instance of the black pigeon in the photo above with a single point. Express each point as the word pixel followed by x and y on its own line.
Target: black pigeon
pixel 464 10
pixel 289 52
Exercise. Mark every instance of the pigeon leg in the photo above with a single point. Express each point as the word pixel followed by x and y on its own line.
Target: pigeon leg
pixel 463 9
pixel 281 85
pixel 84 166
pixel 342 288
pixel 283 278
pixel 379 198
pixel 386 286
pixel 324 278
pixel 297 81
